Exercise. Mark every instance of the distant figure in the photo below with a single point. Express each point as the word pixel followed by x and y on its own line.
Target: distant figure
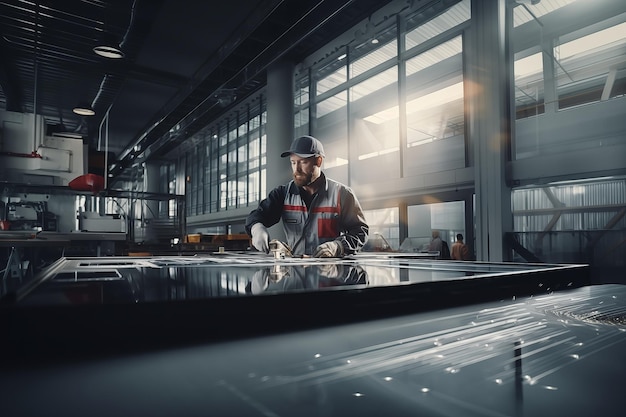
pixel 439 245
pixel 460 251
pixel 435 242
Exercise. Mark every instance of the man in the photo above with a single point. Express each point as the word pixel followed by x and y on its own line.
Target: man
pixel 321 217
pixel 435 242
pixel 439 245
pixel 459 250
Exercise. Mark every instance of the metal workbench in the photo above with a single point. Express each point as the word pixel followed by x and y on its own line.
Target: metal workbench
pixel 247 334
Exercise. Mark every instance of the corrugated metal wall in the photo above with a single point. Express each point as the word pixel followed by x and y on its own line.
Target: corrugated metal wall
pixel 574 222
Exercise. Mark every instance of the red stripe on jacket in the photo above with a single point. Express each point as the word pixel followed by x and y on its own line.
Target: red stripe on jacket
pixel 288 207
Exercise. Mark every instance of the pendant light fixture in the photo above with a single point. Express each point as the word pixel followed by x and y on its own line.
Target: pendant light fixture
pixel 84 109
pixel 107 45
pixel 110 51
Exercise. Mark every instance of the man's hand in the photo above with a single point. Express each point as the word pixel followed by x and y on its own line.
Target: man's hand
pixel 280 248
pixel 260 237
pixel 332 249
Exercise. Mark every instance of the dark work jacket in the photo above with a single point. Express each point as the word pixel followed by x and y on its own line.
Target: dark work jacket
pixel 335 214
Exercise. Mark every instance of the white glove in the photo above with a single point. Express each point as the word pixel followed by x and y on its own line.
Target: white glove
pixel 330 270
pixel 260 237
pixel 332 249
pixel 281 248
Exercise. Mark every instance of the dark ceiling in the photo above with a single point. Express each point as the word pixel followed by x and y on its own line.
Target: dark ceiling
pixel 179 57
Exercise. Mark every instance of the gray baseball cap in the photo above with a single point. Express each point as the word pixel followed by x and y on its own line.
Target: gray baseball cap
pixel 304 147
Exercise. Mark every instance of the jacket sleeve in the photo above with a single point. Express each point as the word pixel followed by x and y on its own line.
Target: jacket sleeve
pixel 269 210
pixel 354 230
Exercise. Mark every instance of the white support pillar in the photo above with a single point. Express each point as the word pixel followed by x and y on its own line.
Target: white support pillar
pixel 489 70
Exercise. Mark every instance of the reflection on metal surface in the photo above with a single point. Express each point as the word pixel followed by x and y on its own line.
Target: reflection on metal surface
pixel 544 341
pixel 280 278
pixel 607 311
pixel 478 336
pixel 503 358
pixel 493 361
pixel 228 274
pixel 88 276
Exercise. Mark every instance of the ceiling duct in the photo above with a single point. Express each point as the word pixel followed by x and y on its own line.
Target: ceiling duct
pixel 244 66
pixel 225 96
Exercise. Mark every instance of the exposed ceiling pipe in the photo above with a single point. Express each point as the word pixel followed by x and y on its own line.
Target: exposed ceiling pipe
pixel 277 49
pixel 35 105
pixel 201 75
pixel 130 24
pixel 104 121
pixel 108 79
pixel 106 153
pixel 35 77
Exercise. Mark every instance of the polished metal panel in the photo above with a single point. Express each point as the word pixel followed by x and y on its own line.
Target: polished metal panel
pixel 556 354
pixel 235 274
pixel 247 334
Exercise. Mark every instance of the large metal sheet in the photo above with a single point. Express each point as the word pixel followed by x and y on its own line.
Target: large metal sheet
pixel 231 274
pixel 556 354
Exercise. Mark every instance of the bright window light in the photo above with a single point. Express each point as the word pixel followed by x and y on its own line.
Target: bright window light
pixel 438 98
pixel 337 162
pixel 368 156
pixel 378 153
pixel 529 66
pixel 383 116
pixel 592 43
pixel 429 101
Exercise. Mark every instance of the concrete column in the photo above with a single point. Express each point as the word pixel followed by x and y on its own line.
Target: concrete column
pixel 279 127
pixel 152 177
pixel 489 64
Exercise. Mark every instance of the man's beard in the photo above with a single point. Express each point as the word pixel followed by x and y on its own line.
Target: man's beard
pixel 302 179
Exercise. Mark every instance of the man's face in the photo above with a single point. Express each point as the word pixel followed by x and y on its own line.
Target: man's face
pixel 305 170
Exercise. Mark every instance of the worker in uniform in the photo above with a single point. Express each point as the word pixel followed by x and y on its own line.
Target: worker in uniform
pixel 321 217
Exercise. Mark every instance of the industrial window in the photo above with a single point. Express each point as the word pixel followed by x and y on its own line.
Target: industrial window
pixel 213 178
pixel 448 218
pixel 356 97
pixel 375 140
pixel 230 163
pixel 570 78
pixel 454 16
pixel 333 75
pixel 377 50
pixel 332 130
pixel 591 67
pixel 331 104
pixel 435 112
pixel 384 232
pixel 529 85
pixel 525 12
pixel 301 106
